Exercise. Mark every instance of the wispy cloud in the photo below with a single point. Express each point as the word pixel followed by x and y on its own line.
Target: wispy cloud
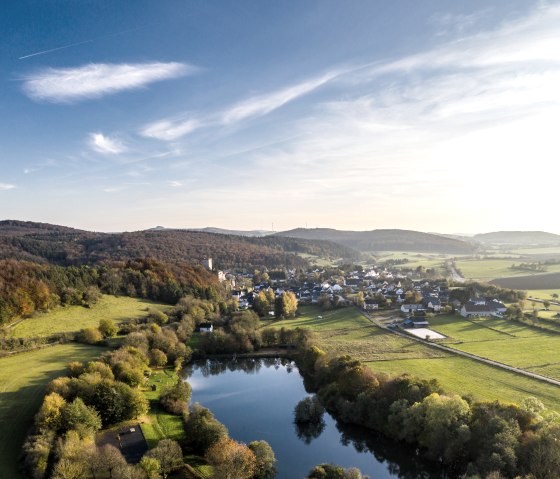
pixel 65 85
pixel 175 184
pixel 252 107
pixel 106 145
pixel 171 130
pixel 6 186
pixel 263 104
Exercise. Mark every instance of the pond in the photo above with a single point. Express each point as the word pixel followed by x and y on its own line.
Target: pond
pixel 255 399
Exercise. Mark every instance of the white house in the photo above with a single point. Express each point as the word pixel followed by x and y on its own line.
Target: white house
pixel 370 305
pixel 206 327
pixel 410 308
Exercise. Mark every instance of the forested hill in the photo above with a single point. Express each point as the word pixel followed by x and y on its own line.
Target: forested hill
pixel 519 238
pixel 384 240
pixel 45 243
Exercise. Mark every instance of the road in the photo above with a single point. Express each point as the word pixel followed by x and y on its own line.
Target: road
pixel 447 349
pixel 455 274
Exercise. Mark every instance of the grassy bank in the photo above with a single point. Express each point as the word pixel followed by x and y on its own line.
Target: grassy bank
pixel 23 378
pixel 161 424
pixel 74 318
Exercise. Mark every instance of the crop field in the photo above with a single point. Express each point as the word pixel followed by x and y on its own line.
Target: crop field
pixel 347 331
pixel 74 318
pixel 23 378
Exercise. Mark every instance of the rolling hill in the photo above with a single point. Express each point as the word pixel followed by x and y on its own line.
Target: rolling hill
pixel 384 240
pixel 43 243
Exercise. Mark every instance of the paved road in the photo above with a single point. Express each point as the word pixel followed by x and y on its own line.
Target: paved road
pixel 455 274
pixel 464 354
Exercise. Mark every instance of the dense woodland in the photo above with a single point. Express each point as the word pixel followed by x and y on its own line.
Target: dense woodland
pixel 28 287
pixel 43 243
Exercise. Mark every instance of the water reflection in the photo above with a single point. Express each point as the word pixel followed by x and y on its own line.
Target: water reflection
pixel 255 408
pixel 307 431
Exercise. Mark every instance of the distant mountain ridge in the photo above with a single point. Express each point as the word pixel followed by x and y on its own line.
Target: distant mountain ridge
pixel 221 231
pixel 523 238
pixel 385 240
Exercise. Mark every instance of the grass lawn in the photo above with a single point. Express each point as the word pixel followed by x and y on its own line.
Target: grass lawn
pixel 23 378
pixel 347 331
pixel 74 318
pixel 161 424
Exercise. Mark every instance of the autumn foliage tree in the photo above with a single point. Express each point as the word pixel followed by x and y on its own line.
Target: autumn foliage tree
pixel 231 460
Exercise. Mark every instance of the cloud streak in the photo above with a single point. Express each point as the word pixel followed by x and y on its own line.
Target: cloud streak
pixel 6 186
pixel 67 85
pixel 252 107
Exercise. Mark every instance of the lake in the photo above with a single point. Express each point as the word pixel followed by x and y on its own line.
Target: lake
pixel 255 399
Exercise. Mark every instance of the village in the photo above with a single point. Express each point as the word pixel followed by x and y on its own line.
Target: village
pixel 412 297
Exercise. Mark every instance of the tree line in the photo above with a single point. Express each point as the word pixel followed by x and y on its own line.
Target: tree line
pixel 471 438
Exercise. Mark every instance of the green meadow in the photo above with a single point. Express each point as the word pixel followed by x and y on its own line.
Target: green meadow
pixel 487 269
pixel 23 378
pixel 347 331
pixel 73 318
pixel 505 341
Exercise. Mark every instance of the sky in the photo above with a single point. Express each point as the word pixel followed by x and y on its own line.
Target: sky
pixel 437 116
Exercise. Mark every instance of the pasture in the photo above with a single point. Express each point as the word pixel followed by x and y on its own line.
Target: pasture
pixel 73 318
pixel 23 378
pixel 505 341
pixel 347 331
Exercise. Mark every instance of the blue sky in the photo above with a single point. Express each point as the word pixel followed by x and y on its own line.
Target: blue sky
pixel 434 116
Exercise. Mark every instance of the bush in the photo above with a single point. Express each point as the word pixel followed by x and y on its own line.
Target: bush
pixel 90 336
pixel 202 430
pixel 176 398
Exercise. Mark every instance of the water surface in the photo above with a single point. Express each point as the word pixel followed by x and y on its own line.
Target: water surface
pixel 255 399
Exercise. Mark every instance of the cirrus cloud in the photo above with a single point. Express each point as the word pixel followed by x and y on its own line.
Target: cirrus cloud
pixel 6 186
pixel 66 85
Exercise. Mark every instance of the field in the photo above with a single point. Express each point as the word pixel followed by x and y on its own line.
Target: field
pixel 504 341
pixel 161 424
pixel 466 376
pixel 497 268
pixel 347 331
pixel 74 318
pixel 545 281
pixel 545 294
pixel 22 384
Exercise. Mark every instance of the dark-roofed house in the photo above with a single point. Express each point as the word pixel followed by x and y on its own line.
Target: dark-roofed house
pixel 371 304
pixel 472 309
